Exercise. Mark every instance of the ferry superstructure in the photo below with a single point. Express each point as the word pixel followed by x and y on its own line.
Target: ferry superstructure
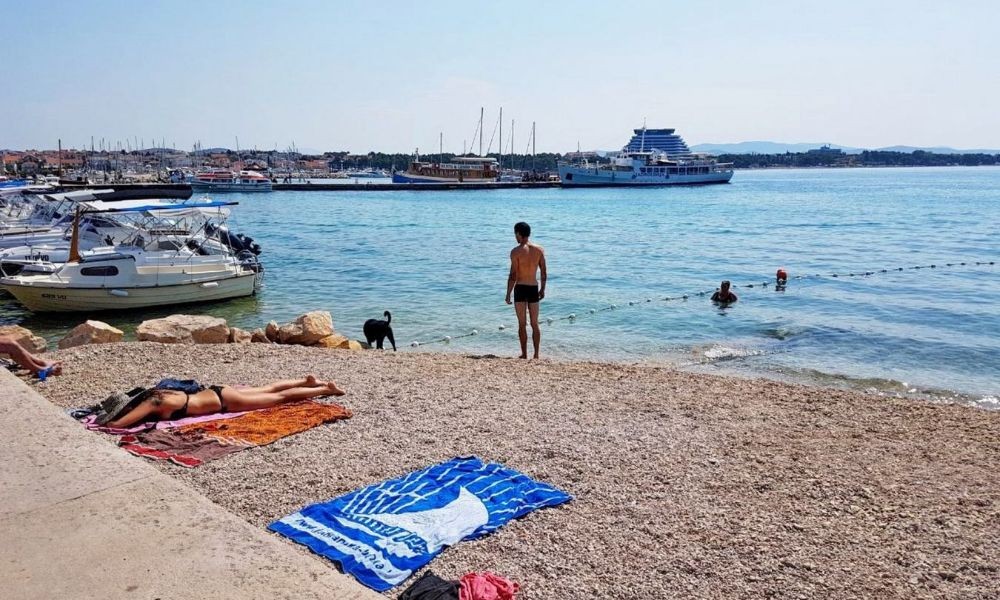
pixel 653 157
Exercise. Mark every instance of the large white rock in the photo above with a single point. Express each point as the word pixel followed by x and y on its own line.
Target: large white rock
pixel 91 332
pixel 184 329
pixel 24 337
pixel 307 329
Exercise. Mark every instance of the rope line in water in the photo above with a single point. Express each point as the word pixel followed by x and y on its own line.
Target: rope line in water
pixel 573 316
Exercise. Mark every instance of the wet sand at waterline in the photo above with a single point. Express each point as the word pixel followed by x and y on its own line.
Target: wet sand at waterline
pixel 684 485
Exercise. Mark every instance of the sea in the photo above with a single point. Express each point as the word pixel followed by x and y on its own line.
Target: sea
pixel 856 312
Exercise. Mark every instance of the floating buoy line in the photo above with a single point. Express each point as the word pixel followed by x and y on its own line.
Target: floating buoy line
pixel 776 283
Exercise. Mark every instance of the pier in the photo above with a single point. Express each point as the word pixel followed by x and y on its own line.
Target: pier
pixel 174 189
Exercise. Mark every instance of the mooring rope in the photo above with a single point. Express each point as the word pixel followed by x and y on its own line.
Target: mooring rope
pixel 649 299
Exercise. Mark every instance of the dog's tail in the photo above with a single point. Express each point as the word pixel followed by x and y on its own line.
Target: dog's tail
pixel 388 316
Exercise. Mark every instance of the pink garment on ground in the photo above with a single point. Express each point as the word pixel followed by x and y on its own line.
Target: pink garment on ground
pixel 89 423
pixel 486 586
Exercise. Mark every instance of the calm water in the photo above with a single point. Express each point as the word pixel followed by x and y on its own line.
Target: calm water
pixel 438 261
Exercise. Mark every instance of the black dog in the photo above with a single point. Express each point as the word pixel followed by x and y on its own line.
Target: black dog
pixel 376 331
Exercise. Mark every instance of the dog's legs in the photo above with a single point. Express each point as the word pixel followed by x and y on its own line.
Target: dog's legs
pixel 392 340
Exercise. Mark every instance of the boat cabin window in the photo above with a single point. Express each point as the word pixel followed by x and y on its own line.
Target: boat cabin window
pixel 168 245
pixel 104 271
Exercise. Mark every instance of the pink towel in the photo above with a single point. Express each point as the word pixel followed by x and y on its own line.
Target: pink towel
pixel 89 423
pixel 486 586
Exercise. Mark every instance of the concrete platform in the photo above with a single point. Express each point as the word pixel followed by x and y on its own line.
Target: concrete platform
pixel 80 518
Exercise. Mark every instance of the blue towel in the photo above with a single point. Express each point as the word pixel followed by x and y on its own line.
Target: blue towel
pixel 383 533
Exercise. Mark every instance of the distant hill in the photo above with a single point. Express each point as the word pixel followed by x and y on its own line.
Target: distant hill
pixel 763 147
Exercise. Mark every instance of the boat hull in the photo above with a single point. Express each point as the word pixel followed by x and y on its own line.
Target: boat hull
pixel 584 177
pixel 230 187
pixel 39 298
pixel 411 178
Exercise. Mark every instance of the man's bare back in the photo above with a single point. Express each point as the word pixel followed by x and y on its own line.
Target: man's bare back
pixel 525 260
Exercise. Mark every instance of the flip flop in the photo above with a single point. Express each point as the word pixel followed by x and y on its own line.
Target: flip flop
pixel 45 372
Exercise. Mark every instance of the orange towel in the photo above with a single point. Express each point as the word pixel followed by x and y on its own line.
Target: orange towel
pixel 261 427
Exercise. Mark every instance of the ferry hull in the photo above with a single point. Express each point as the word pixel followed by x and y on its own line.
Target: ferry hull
pixel 582 177
pixel 79 299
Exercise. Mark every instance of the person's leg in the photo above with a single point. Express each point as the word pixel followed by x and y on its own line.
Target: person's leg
pixel 24 358
pixel 277 386
pixel 536 332
pixel 237 400
pixel 521 309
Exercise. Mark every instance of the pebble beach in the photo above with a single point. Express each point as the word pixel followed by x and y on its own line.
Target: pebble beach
pixel 684 485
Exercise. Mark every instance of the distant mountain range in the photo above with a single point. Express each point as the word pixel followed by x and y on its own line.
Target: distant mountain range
pixel 781 148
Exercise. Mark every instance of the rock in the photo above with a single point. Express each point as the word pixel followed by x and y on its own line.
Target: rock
pixel 271 331
pixel 24 337
pixel 91 332
pixel 307 329
pixel 350 345
pixel 184 329
pixel 331 341
pixel 239 336
pixel 259 337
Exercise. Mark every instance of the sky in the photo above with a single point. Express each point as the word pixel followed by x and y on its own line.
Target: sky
pixel 391 76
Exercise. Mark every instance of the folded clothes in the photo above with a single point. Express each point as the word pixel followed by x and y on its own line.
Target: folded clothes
pixel 431 587
pixel 383 533
pixel 486 586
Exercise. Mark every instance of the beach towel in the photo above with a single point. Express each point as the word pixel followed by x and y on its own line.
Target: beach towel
pixel 187 450
pixel 267 425
pixel 197 443
pixel 383 533
pixel 486 586
pixel 90 422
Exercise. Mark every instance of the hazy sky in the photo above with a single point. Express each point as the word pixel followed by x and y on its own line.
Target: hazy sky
pixel 391 75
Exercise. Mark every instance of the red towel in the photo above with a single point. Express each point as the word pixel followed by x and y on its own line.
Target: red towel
pixel 486 586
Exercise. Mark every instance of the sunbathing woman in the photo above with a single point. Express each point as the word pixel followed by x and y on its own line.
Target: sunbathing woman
pixel 170 405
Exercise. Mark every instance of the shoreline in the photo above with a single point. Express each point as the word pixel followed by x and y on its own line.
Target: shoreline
pixel 684 484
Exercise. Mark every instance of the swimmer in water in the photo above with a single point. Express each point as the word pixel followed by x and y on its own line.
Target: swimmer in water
pixel 724 295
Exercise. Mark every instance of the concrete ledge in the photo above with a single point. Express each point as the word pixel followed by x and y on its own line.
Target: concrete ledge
pixel 80 518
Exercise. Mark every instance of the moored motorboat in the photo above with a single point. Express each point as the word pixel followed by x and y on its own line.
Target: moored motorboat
pixel 222 180
pixel 143 271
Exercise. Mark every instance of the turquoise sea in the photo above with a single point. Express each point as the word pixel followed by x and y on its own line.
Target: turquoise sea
pixel 438 261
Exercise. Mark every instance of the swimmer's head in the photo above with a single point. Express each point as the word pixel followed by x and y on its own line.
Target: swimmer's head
pixel 725 285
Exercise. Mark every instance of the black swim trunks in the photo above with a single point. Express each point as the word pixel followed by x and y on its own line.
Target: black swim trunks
pixel 526 293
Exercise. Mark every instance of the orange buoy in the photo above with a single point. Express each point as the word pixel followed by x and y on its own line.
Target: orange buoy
pixel 782 275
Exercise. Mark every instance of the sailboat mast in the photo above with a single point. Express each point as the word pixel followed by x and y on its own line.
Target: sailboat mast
pixel 532 145
pixel 440 148
pixel 480 131
pixel 500 167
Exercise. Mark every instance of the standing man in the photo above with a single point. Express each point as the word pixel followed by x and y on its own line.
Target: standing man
pixel 526 260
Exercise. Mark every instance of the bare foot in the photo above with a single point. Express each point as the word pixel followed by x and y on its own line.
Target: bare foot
pixel 523 356
pixel 331 387
pixel 311 381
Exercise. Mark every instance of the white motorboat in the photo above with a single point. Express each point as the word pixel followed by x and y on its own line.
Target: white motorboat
pixel 137 273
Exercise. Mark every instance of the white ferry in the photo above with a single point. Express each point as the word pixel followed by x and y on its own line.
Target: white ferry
pixel 653 157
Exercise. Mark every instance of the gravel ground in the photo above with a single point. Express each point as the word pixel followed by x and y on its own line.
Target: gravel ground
pixel 684 485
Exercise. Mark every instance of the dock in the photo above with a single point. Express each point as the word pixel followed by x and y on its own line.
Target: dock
pixel 168 190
